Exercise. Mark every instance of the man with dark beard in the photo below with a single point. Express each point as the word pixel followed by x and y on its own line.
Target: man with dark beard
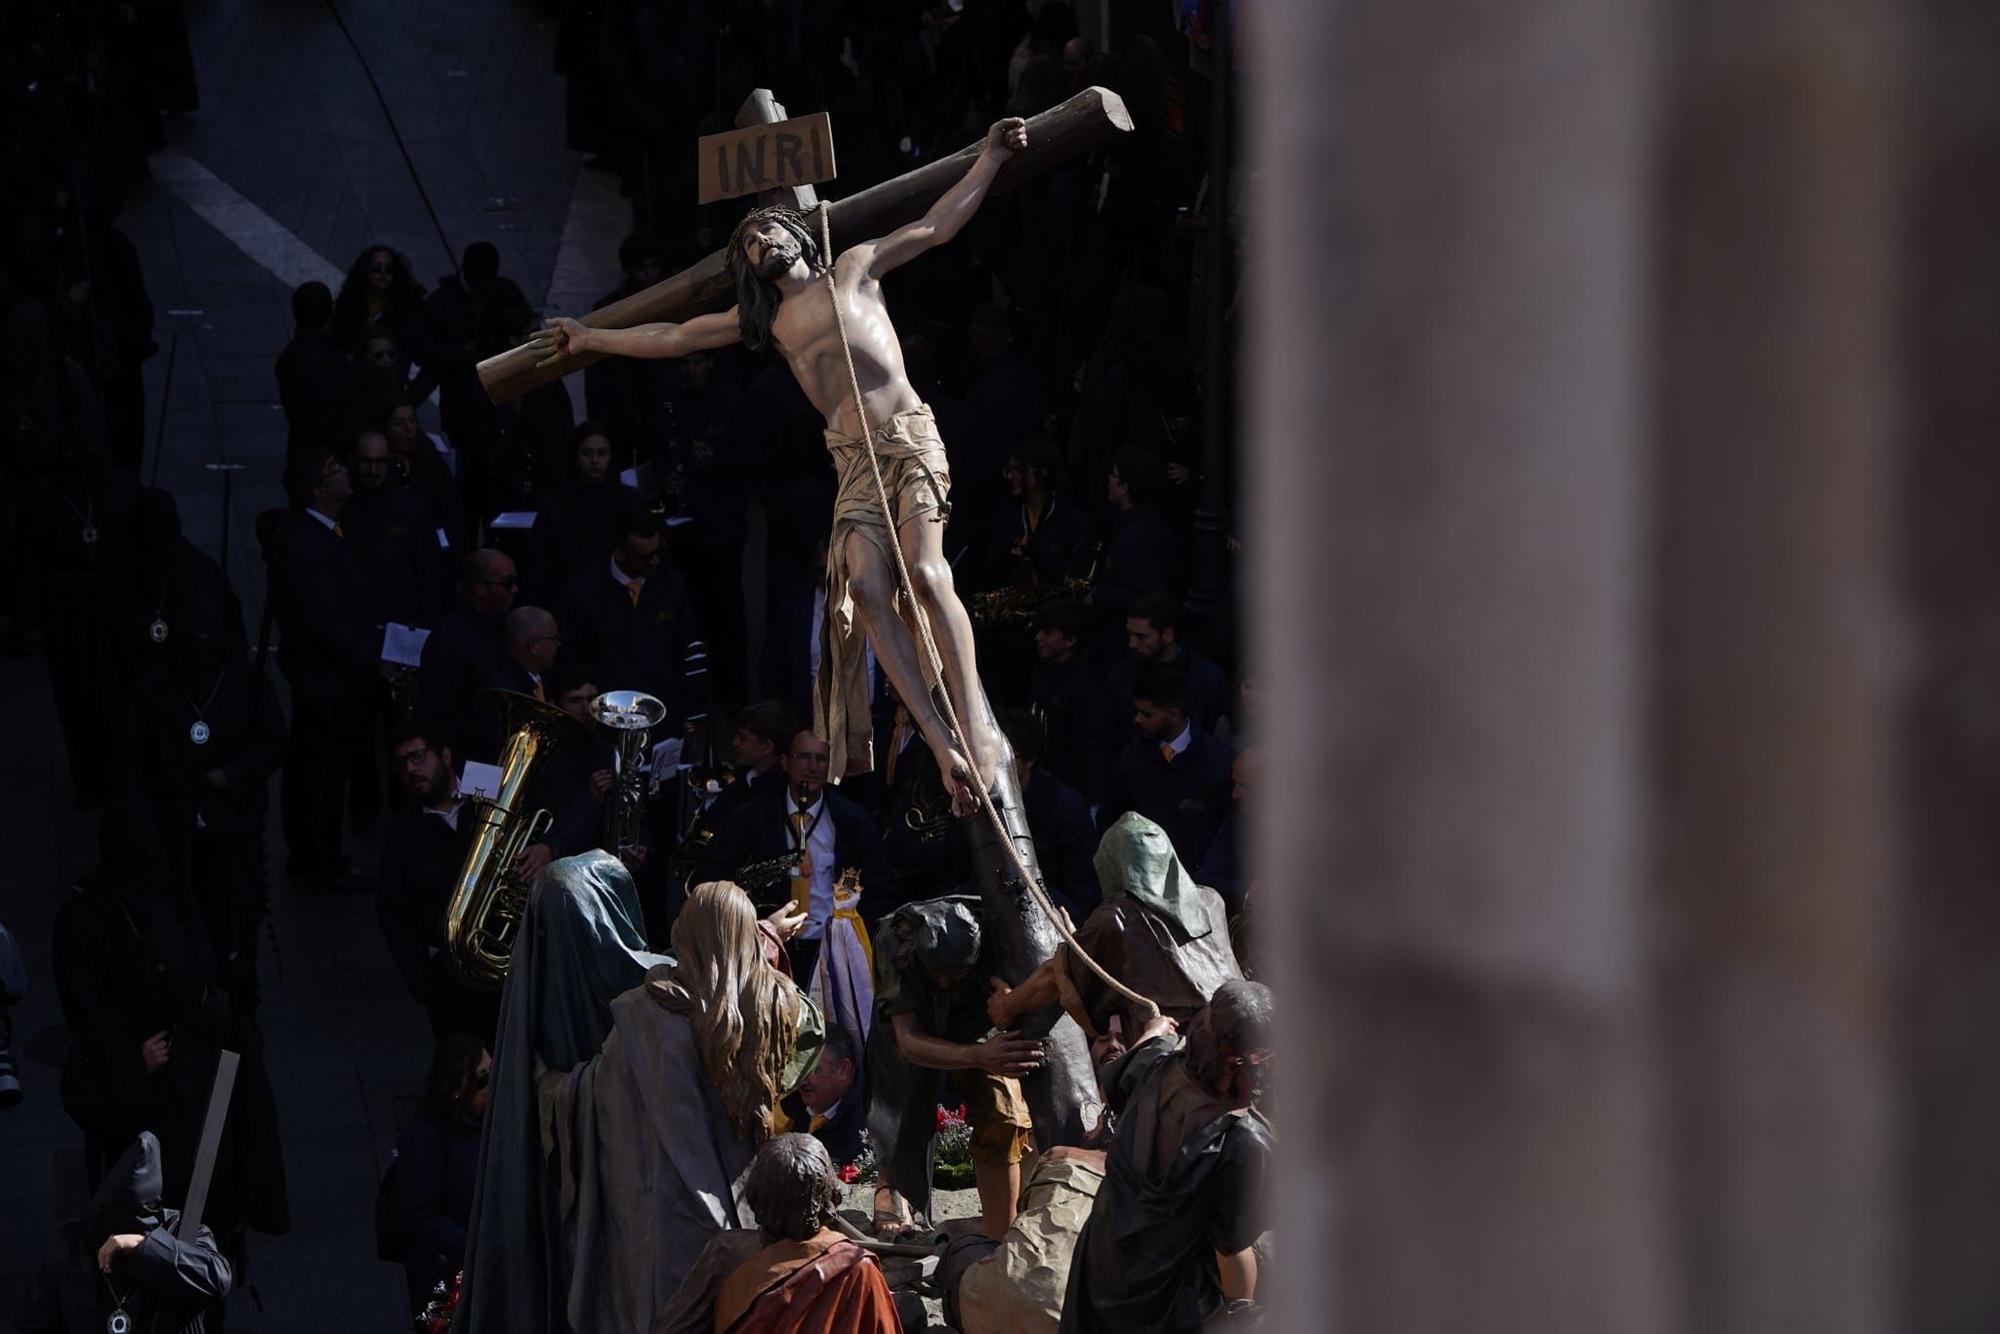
pixel 785 299
pixel 422 850
pixel 1169 1241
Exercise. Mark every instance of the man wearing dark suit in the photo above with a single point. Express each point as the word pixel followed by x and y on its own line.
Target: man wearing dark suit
pixel 831 1104
pixel 311 371
pixel 328 654
pixel 560 783
pixel 1066 692
pixel 532 641
pixel 1058 821
pixel 925 844
pixel 1139 552
pixel 391 534
pixel 830 832
pixel 468 646
pixel 423 849
pixel 763 732
pixel 1173 773
pixel 1152 635
pixel 629 616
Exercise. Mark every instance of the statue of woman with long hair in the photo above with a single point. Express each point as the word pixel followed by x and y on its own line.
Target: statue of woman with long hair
pixel 652 1136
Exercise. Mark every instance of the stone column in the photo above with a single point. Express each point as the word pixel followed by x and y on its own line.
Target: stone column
pixel 1777 785
pixel 1449 269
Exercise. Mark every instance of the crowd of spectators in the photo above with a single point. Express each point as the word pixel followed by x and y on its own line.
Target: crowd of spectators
pixel 557 555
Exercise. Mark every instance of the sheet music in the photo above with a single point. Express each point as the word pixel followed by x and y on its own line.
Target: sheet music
pixel 403 645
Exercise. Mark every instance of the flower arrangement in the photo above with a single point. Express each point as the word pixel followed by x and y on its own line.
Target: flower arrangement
pixel 436 1318
pixel 952 1166
pixel 952 1162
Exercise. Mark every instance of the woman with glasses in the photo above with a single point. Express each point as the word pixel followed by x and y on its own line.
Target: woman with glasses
pixel 437 1161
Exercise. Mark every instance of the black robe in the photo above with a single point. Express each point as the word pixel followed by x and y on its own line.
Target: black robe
pixel 1146 1259
pixel 165 1284
pixel 127 967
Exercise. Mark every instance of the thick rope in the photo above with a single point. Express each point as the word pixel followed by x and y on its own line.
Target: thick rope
pixel 1148 1009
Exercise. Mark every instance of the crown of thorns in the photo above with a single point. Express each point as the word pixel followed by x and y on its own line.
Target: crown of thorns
pixel 783 214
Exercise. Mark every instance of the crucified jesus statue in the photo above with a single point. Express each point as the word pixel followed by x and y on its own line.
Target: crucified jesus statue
pixel 784 300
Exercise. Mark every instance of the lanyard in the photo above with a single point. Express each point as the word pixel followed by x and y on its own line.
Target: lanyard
pixel 791 826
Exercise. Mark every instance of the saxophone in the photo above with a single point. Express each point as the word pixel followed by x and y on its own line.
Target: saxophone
pixel 629 715
pixel 489 898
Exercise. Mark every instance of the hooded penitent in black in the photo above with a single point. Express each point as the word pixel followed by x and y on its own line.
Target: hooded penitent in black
pixel 163 1286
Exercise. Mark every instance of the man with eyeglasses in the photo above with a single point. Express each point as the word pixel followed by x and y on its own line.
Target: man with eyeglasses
pixel 422 850
pixel 469 645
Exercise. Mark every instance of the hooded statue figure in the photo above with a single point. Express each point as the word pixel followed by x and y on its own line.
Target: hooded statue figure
pixel 158 1282
pixel 1157 931
pixel 579 947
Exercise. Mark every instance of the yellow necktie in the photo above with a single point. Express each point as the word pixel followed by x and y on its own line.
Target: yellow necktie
pixel 337 532
pixel 812 1127
pixel 1167 751
pixel 634 588
pixel 802 878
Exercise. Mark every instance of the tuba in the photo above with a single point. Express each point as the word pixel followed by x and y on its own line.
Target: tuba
pixel 488 898
pixel 629 716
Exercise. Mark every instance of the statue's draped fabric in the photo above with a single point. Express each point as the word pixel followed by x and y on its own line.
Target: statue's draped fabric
pixel 918 481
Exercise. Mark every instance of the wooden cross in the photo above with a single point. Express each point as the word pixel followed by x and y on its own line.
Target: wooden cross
pixel 1085 122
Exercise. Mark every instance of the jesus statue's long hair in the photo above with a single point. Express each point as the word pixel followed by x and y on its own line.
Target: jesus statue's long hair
pixel 745 1013
pixel 757 299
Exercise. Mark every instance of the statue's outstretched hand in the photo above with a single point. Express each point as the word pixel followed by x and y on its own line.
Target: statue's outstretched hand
pixel 1007 137
pixel 557 341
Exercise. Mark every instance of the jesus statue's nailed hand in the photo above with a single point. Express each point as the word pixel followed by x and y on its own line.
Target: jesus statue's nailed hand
pixel 1006 138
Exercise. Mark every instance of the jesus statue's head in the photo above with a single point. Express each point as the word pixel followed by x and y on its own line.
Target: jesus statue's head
pixel 769 245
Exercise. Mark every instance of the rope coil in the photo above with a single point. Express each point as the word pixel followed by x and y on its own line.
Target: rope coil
pixel 1147 1007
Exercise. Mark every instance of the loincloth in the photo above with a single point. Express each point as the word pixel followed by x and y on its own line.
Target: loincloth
pixel 917 477
pixel 997 1113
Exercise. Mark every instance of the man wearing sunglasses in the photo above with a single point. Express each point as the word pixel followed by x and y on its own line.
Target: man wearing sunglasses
pixel 469 645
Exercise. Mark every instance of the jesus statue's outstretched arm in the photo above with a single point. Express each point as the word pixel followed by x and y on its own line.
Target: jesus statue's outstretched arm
pixel 564 338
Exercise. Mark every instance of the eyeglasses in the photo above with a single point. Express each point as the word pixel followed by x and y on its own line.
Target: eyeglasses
pixel 545 639
pixel 410 759
pixel 505 581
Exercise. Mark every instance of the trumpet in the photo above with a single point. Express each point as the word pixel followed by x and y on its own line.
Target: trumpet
pixel 630 716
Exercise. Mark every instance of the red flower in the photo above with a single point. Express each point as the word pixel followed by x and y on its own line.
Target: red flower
pixel 849 1174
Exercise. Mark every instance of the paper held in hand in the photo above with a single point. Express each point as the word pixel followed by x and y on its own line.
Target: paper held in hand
pixel 403 645
pixel 666 762
pixel 480 780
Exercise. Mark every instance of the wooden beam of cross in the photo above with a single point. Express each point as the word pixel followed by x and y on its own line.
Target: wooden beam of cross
pixel 1080 125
